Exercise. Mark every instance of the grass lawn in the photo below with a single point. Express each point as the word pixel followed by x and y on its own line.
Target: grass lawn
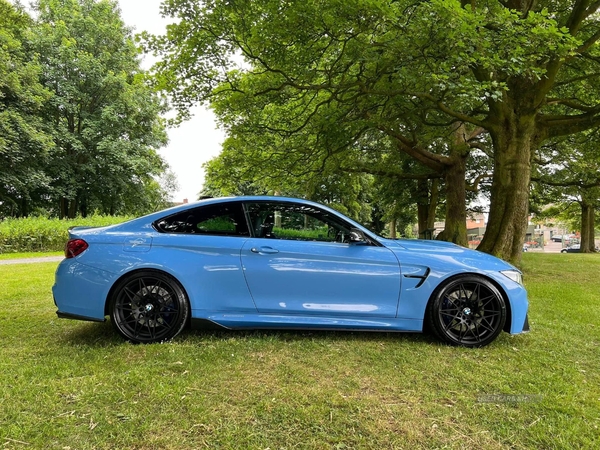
pixel 4 256
pixel 76 385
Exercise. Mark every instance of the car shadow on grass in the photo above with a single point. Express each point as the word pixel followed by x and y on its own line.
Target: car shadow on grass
pixel 93 334
pixel 103 334
pixel 293 336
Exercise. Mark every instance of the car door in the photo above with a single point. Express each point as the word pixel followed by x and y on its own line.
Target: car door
pixel 301 261
pixel 201 248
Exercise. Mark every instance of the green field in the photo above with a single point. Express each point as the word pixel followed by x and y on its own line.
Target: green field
pixel 76 385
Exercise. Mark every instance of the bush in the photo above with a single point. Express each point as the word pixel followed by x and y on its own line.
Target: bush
pixel 39 234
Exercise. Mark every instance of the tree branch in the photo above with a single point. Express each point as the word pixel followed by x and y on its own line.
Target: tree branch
pixel 391 173
pixel 474 187
pixel 567 125
pixel 577 183
pixel 578 14
pixel 431 160
pixel 571 104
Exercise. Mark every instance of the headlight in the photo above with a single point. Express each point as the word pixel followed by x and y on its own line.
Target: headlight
pixel 514 275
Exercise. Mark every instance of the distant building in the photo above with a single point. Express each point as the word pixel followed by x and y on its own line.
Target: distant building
pixel 185 200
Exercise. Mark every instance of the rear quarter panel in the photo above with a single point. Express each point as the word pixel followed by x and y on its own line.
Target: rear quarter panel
pixel 208 267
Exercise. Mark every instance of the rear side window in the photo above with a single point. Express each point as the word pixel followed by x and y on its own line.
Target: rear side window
pixel 221 219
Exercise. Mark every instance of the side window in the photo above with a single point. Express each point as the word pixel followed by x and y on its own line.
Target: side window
pixel 222 219
pixel 293 221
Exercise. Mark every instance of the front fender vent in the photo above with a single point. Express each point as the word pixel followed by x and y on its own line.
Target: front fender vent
pixel 421 273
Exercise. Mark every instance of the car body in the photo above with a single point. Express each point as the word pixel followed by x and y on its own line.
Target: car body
pixel 557 238
pixel 575 248
pixel 281 263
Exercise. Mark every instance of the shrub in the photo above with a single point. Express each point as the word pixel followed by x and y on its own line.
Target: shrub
pixel 39 234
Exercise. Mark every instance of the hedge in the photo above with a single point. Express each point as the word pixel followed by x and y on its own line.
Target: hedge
pixel 39 234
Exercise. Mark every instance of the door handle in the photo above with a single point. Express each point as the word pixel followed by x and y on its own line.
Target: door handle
pixel 264 250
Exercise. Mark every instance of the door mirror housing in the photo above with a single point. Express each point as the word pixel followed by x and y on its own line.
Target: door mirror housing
pixel 357 236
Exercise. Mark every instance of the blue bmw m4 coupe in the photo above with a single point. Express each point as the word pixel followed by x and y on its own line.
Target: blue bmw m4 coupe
pixel 281 263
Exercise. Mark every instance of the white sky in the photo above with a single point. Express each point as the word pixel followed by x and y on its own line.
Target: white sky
pixel 193 142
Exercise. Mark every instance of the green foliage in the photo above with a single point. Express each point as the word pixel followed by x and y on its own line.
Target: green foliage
pixel 40 234
pixel 76 384
pixel 105 118
pixel 79 124
pixel 318 234
pixel 24 138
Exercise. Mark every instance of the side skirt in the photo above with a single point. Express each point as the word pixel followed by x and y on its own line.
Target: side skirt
pixel 214 321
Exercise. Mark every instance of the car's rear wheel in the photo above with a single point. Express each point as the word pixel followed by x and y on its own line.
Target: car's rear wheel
pixel 468 311
pixel 149 307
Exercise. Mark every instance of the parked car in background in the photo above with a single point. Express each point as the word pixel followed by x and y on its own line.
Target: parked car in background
pixel 575 248
pixel 557 238
pixel 281 263
pixel 571 249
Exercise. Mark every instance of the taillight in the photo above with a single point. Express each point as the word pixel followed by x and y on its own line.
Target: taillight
pixel 75 247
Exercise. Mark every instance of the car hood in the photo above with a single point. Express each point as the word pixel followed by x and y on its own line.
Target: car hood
pixel 444 255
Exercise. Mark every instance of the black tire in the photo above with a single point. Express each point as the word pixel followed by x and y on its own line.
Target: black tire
pixel 149 307
pixel 467 311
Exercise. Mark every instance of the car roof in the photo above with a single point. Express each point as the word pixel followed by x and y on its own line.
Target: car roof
pixel 147 220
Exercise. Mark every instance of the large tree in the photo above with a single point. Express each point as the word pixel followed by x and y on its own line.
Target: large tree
pixel 24 144
pixel 523 71
pixel 106 119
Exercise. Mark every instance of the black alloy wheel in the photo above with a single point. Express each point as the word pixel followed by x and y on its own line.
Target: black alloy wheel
pixel 149 307
pixel 467 311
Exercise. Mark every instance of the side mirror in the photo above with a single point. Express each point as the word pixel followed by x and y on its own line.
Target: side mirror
pixel 357 236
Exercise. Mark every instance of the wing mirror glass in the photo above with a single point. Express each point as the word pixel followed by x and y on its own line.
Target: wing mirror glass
pixel 357 236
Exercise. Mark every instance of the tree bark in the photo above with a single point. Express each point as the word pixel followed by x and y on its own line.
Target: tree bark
pixel 588 244
pixel 64 207
pixel 455 228
pixel 72 208
pixel 393 228
pixel 426 207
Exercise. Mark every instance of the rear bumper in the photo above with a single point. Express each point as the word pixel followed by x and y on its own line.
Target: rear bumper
pixel 80 291
pixel 526 324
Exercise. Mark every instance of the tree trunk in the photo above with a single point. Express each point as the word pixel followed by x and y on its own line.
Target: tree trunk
pixel 422 207
pixel 72 208
pixel 64 207
pixel 393 228
pixel 588 244
pixel 455 228
pixel 513 140
pixel 426 207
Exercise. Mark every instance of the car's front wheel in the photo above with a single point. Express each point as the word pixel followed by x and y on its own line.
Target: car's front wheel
pixel 468 311
pixel 149 307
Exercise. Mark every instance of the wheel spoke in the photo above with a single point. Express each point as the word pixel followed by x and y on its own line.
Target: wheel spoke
pixel 130 294
pixel 477 335
pixel 487 300
pixel 452 323
pixel 462 333
pixel 487 325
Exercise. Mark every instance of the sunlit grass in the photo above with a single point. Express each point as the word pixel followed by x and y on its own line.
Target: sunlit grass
pixel 5 256
pixel 68 384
